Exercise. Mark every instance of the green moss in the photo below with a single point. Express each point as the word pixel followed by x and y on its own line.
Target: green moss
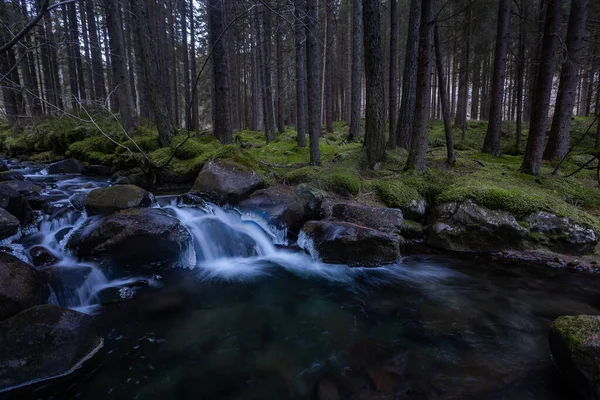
pixel 536 237
pixel 394 193
pixel 576 330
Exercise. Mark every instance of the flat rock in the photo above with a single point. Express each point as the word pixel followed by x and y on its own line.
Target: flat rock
pixel 225 183
pixel 117 198
pixel 379 218
pixel 279 206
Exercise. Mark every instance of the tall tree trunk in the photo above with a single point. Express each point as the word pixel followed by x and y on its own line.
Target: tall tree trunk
pixel 222 121
pixel 301 96
pixel 444 97
pixel 96 51
pixel 418 143
pixel 186 62
pixel 491 143
pixel 409 78
pixel 195 122
pixel 375 111
pixel 6 77
pixel 151 74
pixel 356 73
pixel 542 7
pixel 520 73
pixel 74 92
pixel 558 140
pixel 463 80
pixel 329 50
pixel 312 78
pixel 280 73
pixel 532 162
pixel 269 111
pixel 119 63
pixel 393 74
pixel 76 50
pixel 476 88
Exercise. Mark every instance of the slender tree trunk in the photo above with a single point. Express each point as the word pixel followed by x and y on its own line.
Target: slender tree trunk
pixel 280 73
pixel 195 123
pixel 329 68
pixel 532 162
pixel 97 67
pixel 268 81
pixel 463 81
pixel 520 73
pixel 312 68
pixel 491 143
pixel 375 111
pixel 301 97
pixel 8 90
pixel 186 62
pixel 444 97
pixel 559 137
pixel 418 143
pixel 393 74
pixel 409 78
pixel 356 73
pixel 76 50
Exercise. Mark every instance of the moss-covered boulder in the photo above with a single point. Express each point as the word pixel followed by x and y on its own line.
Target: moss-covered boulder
pixel 312 198
pixel 135 239
pixel 21 286
pixel 468 227
pixel 9 224
pixel 575 345
pixel 226 183
pixel 43 342
pixel 278 206
pixel 561 234
pixel 379 218
pixel 345 243
pixel 117 198
pixel 68 166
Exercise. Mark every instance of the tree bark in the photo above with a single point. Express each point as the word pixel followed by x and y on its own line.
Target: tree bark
pixel 409 78
pixel 329 68
pixel 476 88
pixel 444 97
pixel 195 122
pixel 375 111
pixel 520 75
pixel 463 80
pixel 280 73
pixel 312 69
pixel 491 143
pixel 186 62
pixel 393 73
pixel 532 162
pixel 558 140
pixel 418 142
pixel 96 52
pixel 301 96
pixel 356 73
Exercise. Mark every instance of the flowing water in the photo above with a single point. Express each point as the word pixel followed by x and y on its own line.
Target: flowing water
pixel 247 319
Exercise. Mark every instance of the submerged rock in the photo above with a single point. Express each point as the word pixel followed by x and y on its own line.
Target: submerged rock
pixel 561 234
pixel 66 280
pixel 382 219
pixel 44 342
pixel 21 286
pixel 117 198
pixel 468 227
pixel 278 206
pixel 191 200
pixel 226 183
pixel 575 345
pixel 41 256
pixel 9 224
pixel 68 166
pixel 346 243
pixel 137 237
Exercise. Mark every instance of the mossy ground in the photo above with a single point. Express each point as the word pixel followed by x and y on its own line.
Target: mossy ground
pixel 489 181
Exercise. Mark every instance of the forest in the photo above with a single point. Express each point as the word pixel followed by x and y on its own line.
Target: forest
pixel 300 199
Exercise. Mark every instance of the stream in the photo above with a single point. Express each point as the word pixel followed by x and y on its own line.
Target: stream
pixel 250 318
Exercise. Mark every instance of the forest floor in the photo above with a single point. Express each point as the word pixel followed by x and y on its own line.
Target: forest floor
pixel 492 182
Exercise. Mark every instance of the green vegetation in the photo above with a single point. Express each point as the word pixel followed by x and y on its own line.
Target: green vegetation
pixel 492 182
pixel 577 331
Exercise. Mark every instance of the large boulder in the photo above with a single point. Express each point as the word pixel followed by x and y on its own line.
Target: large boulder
pixel 561 234
pixel 381 219
pixel 11 176
pixel 65 281
pixel 225 183
pixel 9 224
pixel 278 206
pixel 24 187
pixel 68 166
pixel 312 198
pixel 345 243
pixel 575 345
pixel 468 227
pixel 117 198
pixel 43 342
pixel 134 238
pixel 21 286
pixel 14 202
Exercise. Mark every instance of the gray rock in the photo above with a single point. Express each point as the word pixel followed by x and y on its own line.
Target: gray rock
pixel 65 281
pixel 9 224
pixel 192 200
pixel 11 176
pixel 312 198
pixel 383 219
pixel 23 187
pixel 78 200
pixel 43 342
pixel 468 227
pixel 117 198
pixel 278 206
pixel 68 166
pixel 346 243
pixel 135 238
pixel 14 202
pixel 226 183
pixel 41 256
pixel 562 234
pixel 21 286
pixel 575 345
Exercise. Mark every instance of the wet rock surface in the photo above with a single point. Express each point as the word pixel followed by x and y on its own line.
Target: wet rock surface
pixel 9 224
pixel 278 206
pixel 68 166
pixel 226 183
pixel 117 198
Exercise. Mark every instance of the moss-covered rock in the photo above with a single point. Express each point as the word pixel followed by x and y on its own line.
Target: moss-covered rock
pixel 226 182
pixel 382 219
pixel 575 345
pixel 561 234
pixel 116 198
pixel 68 166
